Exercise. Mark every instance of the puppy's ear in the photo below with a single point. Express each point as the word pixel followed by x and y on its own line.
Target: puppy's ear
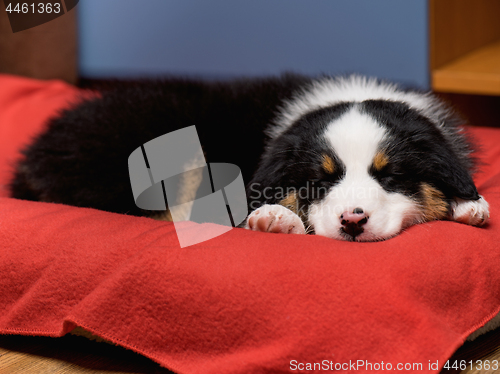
pixel 454 180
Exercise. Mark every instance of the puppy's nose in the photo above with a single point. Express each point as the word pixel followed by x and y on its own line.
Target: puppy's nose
pixel 352 222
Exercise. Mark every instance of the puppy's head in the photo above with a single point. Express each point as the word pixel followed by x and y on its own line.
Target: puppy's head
pixel 365 171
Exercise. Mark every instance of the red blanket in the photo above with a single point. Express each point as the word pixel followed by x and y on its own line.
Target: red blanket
pixel 243 302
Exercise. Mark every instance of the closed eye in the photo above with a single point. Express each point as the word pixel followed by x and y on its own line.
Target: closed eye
pixel 389 173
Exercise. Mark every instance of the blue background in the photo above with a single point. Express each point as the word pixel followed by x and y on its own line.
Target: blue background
pixel 224 38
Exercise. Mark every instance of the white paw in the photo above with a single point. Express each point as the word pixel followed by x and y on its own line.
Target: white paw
pixel 471 212
pixel 275 218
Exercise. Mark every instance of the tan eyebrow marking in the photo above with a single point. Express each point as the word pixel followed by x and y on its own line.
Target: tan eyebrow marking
pixel 380 160
pixel 328 164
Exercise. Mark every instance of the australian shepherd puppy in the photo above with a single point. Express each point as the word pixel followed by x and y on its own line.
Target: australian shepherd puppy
pixel 349 158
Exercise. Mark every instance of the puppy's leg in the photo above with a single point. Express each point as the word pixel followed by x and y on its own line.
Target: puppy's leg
pixel 471 212
pixel 275 218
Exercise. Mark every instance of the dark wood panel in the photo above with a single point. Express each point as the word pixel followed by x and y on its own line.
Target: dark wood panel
pixel 48 51
pixel 457 27
pixel 478 110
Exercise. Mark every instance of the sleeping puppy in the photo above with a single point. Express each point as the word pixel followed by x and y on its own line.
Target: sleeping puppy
pixel 349 158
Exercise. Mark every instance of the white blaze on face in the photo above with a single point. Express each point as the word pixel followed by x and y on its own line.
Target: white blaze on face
pixel 356 138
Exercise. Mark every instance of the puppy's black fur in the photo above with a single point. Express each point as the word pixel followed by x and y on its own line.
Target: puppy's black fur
pixel 81 159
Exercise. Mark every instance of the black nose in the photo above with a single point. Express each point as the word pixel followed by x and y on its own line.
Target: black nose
pixel 352 223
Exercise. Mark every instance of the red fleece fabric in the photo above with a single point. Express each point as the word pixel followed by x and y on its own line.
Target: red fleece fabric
pixel 243 302
pixel 25 106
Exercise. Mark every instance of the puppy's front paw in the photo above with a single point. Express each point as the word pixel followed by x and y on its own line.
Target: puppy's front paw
pixel 471 212
pixel 275 218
